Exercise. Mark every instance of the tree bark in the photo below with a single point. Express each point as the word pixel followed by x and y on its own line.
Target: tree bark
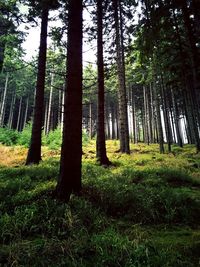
pixel 11 111
pixel 123 116
pixel 26 112
pixel 50 105
pixel 4 101
pixel 100 143
pixel 159 123
pixel 19 114
pixel 34 152
pixel 69 180
pixel 176 120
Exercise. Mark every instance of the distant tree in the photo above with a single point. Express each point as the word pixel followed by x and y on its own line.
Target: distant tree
pixel 122 97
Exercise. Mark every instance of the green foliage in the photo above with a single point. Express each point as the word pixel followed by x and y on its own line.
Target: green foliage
pixel 53 139
pixel 8 137
pixel 85 137
pixel 25 136
pixel 128 215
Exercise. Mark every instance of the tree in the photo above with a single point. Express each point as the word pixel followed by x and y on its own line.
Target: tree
pixel 100 144
pixel 34 152
pixel 123 116
pixel 69 180
pixel 9 36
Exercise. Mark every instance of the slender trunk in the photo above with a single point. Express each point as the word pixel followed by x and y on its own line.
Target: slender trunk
pixel 90 120
pixel 62 110
pixel 134 118
pixel 34 153
pixel 158 115
pixel 4 101
pixel 152 119
pixel 166 116
pixel 146 124
pixel 45 117
pixel 59 107
pixel 69 180
pixel 100 143
pixel 123 116
pixel 50 104
pixel 176 119
pixel 11 111
pixel 19 114
pixel 26 112
pixel 113 121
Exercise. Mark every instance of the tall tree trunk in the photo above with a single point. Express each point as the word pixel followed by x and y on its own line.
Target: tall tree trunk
pixel 159 123
pixel 166 116
pixel 3 104
pixel 11 111
pixel 69 179
pixel 152 118
pixel 62 110
pixel 26 113
pixel 123 116
pixel 100 143
pixel 176 119
pixel 134 118
pixel 19 114
pixel 50 104
pixel 146 117
pixel 90 120
pixel 113 121
pixel 34 152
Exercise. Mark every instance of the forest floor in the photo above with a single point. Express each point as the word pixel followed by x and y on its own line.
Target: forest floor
pixel 143 211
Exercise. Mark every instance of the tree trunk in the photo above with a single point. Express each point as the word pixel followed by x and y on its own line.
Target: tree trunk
pixel 176 120
pixel 100 143
pixel 146 117
pixel 11 111
pixel 69 180
pixel 134 118
pixel 50 105
pixel 26 112
pixel 90 120
pixel 158 115
pixel 19 114
pixel 166 116
pixel 123 116
pixel 4 101
pixel 34 152
pixel 62 110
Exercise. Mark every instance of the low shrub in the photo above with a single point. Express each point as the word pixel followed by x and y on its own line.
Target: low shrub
pixel 8 137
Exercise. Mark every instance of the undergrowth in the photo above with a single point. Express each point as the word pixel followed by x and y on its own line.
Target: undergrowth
pixel 142 211
pixel 53 139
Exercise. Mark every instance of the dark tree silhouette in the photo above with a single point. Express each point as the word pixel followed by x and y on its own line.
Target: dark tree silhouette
pixel 34 152
pixel 70 165
pixel 100 144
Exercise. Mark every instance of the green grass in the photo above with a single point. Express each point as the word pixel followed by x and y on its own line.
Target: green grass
pixel 142 211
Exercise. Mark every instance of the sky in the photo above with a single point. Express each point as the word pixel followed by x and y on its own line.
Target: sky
pixel 31 44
